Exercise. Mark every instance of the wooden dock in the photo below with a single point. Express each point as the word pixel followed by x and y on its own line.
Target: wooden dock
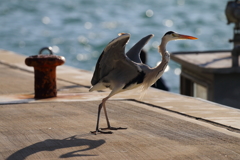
pixel 161 126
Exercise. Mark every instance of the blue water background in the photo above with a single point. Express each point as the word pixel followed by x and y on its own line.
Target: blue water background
pixel 80 29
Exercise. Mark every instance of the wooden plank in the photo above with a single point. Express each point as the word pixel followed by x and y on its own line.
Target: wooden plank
pixel 15 81
pixel 212 62
pixel 61 130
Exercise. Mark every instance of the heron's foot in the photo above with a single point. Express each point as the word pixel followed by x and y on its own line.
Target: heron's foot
pixel 99 131
pixel 113 128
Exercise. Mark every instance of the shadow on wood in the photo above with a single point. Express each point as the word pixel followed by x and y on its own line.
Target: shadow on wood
pixel 54 144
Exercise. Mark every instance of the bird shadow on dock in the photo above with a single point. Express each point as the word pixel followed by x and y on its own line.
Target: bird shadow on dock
pixel 54 144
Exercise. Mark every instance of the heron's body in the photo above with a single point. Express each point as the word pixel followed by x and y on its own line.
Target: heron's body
pixel 120 72
pixel 134 82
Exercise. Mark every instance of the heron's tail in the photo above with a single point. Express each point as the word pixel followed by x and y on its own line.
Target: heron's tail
pixel 142 94
pixel 97 87
pixel 91 89
pixel 143 91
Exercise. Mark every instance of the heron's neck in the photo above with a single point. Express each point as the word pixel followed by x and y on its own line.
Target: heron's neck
pixel 162 48
pixel 159 69
pixel 156 72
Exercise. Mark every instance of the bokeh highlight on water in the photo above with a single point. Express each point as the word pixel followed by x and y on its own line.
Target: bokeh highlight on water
pixel 80 29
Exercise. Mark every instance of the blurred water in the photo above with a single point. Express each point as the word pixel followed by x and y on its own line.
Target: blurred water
pixel 80 29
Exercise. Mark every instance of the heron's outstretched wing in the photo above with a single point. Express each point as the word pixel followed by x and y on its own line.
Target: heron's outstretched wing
pixel 114 61
pixel 134 52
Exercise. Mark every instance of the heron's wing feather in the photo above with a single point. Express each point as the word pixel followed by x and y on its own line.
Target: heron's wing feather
pixel 96 75
pixel 113 59
pixel 134 52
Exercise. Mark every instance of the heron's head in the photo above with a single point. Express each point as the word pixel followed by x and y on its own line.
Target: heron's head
pixel 170 35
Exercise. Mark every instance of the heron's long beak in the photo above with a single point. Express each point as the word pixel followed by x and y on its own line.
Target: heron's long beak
pixel 181 36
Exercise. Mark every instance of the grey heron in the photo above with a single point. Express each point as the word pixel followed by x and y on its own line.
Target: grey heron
pixel 120 72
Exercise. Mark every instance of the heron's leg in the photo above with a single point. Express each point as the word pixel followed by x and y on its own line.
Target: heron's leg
pixel 105 111
pixel 108 123
pixel 98 118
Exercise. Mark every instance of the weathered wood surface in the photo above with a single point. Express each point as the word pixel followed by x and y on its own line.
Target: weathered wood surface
pixel 61 130
pixel 216 62
pixel 208 60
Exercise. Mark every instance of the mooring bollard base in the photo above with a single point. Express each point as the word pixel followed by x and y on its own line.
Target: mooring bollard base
pixel 45 73
pixel 45 83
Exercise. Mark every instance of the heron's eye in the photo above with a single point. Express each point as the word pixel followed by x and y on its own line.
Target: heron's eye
pixel 174 35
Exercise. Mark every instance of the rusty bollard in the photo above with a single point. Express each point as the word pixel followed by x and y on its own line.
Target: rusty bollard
pixel 45 73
